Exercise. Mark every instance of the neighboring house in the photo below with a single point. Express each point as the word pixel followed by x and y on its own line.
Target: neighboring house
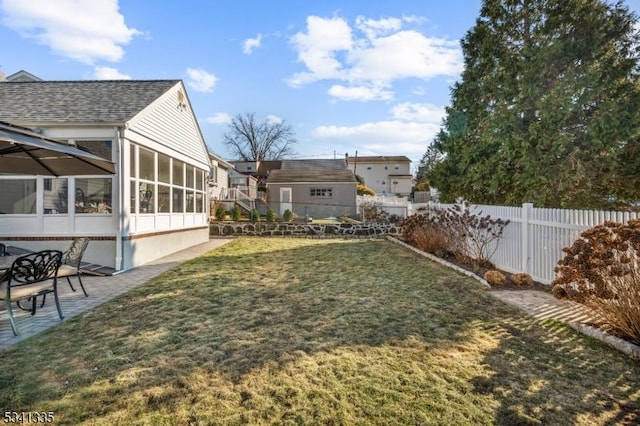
pixel 154 205
pixel 312 188
pixel 218 177
pixel 386 175
pixel 246 184
pixel 258 169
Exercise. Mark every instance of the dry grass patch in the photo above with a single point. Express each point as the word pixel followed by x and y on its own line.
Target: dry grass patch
pixel 298 331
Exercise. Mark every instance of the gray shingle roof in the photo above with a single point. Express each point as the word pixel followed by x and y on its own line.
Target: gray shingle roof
pixel 316 164
pixel 379 159
pixel 107 101
pixel 289 176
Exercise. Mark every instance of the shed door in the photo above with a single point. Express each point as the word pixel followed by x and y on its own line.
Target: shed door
pixel 285 200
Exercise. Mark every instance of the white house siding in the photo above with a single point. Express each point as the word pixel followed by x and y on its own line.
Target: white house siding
pixel 164 127
pixel 218 184
pixel 378 178
pixel 144 249
pixel 174 127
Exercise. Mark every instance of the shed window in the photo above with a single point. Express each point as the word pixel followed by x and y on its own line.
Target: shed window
pixel 321 192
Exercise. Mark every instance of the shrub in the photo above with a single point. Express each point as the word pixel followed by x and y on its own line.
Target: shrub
pixel 287 216
pixel 601 270
pixel 422 187
pixel 235 213
pixel 522 280
pixel 495 278
pixel 271 215
pixel 475 237
pixel 430 239
pixel 220 213
pixel 254 215
pixel 363 189
pixel 621 311
pixel 472 238
pixel 595 259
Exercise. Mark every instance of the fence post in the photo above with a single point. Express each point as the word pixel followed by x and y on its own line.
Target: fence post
pixel 526 216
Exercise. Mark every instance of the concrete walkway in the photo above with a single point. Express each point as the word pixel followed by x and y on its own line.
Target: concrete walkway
pixel 100 290
pixel 542 305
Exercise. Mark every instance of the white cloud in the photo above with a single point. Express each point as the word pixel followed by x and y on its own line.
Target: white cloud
pixel 274 119
pixel 422 113
pixel 317 48
pixel 360 93
pixel 108 73
pixel 384 52
pixel 405 54
pixel 85 31
pixel 374 28
pixel 200 80
pixel 219 118
pixel 411 128
pixel 250 44
pixel 382 138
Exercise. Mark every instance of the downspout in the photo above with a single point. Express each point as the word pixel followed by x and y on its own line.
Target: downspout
pixel 121 185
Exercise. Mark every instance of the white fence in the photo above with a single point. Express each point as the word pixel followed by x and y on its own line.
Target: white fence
pixel 398 206
pixel 534 239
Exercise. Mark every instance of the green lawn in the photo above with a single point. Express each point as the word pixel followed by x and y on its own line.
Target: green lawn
pixel 302 331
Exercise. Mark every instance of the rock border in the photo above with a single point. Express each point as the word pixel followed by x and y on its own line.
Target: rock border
pixel 628 348
pixel 440 261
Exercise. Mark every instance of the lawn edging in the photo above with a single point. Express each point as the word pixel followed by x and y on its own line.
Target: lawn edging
pixel 628 348
pixel 440 261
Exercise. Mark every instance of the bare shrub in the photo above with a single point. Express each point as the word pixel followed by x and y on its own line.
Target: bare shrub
pixel 495 278
pixel 470 237
pixel 598 256
pixel 522 280
pixel 476 236
pixel 621 311
pixel 431 239
pixel 373 212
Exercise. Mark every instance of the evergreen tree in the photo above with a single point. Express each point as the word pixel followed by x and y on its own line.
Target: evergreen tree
pixel 548 107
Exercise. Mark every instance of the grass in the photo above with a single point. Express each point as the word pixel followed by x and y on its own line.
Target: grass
pixel 301 331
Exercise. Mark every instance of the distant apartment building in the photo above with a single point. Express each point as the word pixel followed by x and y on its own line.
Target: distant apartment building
pixel 386 175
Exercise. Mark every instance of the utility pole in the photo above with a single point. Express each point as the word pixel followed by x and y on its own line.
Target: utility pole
pixel 355 162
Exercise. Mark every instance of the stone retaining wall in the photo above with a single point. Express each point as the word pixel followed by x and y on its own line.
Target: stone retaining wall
pixel 220 229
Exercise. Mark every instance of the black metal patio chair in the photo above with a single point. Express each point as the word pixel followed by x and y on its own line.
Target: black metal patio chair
pixel 71 260
pixel 30 276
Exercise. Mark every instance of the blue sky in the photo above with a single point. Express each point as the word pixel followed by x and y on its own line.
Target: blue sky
pixel 367 76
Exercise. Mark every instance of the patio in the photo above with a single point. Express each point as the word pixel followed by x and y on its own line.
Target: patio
pixel 100 289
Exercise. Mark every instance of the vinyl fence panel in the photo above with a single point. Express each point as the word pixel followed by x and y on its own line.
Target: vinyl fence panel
pixel 534 239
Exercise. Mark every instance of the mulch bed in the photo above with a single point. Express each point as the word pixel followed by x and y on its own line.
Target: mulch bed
pixel 480 270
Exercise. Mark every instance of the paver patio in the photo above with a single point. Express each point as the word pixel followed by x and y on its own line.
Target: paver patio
pixel 100 289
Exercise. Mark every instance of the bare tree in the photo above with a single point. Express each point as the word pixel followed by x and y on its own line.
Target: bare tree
pixel 252 140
